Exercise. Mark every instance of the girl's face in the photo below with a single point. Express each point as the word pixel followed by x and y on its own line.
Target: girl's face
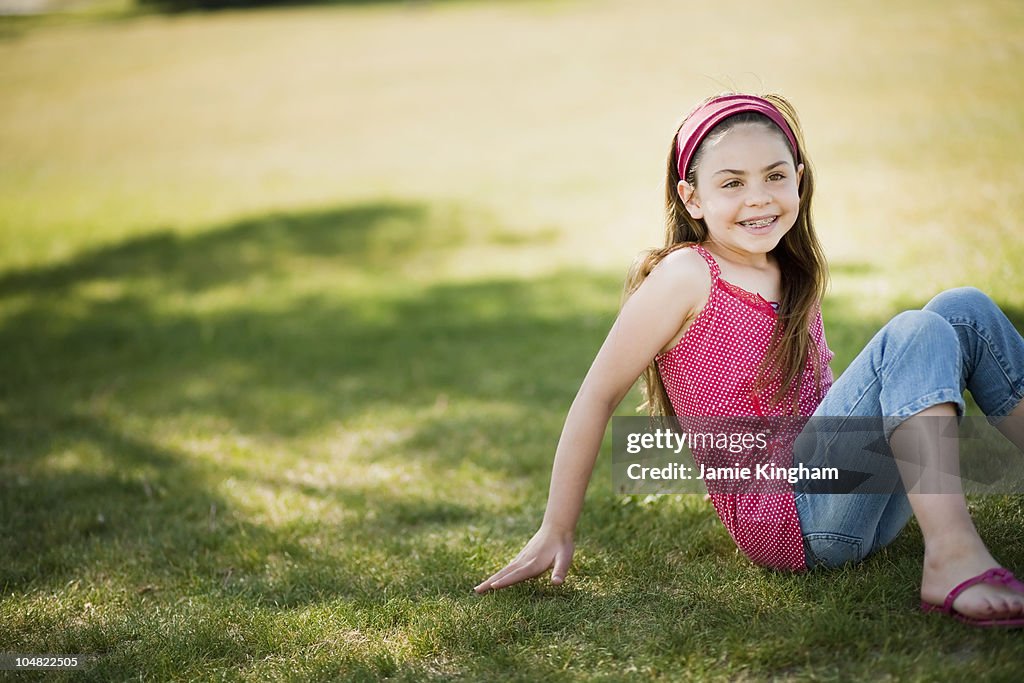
pixel 746 190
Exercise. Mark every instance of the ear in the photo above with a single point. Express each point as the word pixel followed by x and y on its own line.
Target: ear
pixel 799 174
pixel 688 193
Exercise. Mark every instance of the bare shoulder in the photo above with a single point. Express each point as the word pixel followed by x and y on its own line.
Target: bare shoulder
pixel 681 284
pixel 685 274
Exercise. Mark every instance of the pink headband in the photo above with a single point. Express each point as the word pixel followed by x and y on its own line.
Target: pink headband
pixel 705 117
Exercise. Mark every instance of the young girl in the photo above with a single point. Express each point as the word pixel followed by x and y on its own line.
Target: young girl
pixel 725 320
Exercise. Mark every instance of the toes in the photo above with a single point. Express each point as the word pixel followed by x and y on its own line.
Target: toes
pixel 1012 604
pixel 984 602
pixel 997 607
pixel 987 600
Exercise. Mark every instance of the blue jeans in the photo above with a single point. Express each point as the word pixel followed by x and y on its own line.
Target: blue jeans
pixel 960 340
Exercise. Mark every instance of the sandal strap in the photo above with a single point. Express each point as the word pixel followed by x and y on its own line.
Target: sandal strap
pixel 995 576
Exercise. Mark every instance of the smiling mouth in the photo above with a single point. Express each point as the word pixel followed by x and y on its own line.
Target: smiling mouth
pixel 759 223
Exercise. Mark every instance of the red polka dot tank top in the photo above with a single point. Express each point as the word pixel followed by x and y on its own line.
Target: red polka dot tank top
pixel 712 372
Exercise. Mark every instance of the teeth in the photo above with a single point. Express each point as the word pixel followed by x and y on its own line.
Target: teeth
pixel 758 224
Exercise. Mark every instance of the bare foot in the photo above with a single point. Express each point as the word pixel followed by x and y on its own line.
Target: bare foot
pixel 943 572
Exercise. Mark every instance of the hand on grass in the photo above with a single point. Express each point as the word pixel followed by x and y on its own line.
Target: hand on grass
pixel 547 547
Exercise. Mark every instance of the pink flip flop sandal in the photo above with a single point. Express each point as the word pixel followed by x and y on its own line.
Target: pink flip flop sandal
pixel 995 576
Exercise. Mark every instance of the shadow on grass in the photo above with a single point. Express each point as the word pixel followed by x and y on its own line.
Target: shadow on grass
pixel 371 236
pixel 113 358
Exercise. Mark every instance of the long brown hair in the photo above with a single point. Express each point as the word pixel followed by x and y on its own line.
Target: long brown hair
pixel 799 255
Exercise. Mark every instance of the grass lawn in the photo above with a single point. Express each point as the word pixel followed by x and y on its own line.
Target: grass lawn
pixel 293 303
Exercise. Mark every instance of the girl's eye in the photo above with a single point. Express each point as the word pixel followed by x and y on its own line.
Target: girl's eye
pixel 777 176
pixel 731 184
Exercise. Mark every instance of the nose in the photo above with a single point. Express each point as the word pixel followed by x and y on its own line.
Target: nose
pixel 758 196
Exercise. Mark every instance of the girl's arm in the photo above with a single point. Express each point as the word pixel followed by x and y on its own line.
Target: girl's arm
pixel 650 320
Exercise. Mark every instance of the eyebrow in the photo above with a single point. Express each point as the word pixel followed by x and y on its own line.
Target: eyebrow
pixel 733 171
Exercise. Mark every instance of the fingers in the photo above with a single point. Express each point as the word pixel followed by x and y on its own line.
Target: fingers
pixel 516 571
pixel 527 571
pixel 512 573
pixel 545 549
pixel 485 585
pixel 562 561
